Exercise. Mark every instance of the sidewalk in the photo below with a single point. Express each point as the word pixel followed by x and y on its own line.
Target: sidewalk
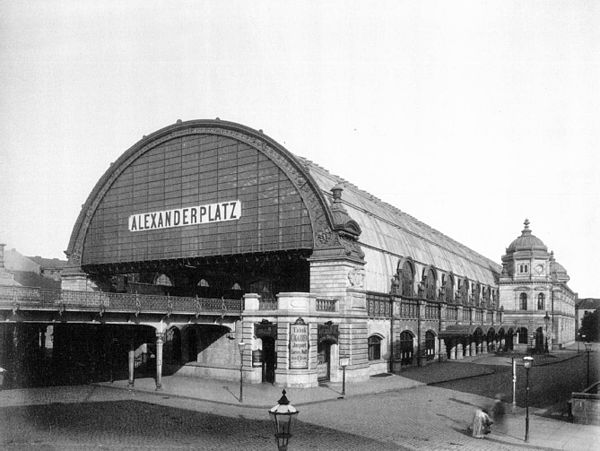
pixel 262 395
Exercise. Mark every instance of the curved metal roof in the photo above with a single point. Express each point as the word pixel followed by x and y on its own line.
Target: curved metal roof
pixel 389 234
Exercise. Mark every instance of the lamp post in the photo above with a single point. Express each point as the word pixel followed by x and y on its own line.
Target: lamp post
pixel 546 321
pixel 283 414
pixel 588 348
pixel 344 361
pixel 241 346
pixel 527 363
pixel 581 338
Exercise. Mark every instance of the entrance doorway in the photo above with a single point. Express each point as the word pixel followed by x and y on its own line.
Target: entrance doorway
pixel 268 359
pixel 323 361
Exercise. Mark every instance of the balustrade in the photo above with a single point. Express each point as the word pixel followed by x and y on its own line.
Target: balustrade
pixel 431 311
pixel 326 305
pixel 409 309
pixel 37 297
pixel 379 308
pixel 452 313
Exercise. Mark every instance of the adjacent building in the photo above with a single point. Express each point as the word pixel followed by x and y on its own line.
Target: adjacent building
pixel 535 296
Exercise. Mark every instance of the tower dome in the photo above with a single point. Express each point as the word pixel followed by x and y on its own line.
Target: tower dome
pixel 526 242
pixel 558 271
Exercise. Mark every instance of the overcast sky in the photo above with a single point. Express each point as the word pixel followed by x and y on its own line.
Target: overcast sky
pixel 470 116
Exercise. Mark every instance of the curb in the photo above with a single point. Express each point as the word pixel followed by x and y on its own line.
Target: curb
pixel 166 395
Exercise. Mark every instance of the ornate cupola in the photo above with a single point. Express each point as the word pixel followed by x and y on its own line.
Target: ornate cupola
pixel 558 273
pixel 527 255
pixel 526 242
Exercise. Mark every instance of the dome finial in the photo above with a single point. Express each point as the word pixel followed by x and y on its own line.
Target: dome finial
pixel 526 230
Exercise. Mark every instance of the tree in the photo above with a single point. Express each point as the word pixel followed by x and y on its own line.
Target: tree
pixel 590 325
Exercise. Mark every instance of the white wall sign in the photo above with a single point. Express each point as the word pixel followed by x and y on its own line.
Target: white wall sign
pixel 180 217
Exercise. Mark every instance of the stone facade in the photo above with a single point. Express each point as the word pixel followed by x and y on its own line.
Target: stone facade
pixel 535 296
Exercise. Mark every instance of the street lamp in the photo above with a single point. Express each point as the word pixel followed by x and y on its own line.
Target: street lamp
pixel 527 363
pixel 546 321
pixel 241 346
pixel 344 361
pixel 588 348
pixel 283 414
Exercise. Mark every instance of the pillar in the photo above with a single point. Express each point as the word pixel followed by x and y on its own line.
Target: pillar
pixel 17 374
pixel 160 339
pixel 131 359
pixel 459 351
pixel 42 340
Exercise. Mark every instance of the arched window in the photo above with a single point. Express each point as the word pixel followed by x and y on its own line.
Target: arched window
pixel 408 278
pixel 163 279
pixel 203 283
pixel 448 285
pixel 464 291
pixel 476 293
pixel 374 347
pixel 541 301
pixel 429 282
pixel 523 301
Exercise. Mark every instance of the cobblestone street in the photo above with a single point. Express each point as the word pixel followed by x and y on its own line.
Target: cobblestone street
pixel 139 425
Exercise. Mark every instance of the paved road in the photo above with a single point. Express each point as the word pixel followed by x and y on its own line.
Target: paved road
pixel 550 385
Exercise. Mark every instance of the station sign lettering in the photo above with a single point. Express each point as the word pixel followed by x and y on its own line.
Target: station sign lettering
pixel 180 217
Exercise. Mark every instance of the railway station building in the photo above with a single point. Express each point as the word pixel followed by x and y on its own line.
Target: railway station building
pixel 212 249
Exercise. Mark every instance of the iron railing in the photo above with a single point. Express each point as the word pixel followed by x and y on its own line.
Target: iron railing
pixel 27 297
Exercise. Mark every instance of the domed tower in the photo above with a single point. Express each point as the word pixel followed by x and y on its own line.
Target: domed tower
pixel 538 305
pixel 526 257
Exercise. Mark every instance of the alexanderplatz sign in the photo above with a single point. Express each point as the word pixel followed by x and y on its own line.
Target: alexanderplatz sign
pixel 179 217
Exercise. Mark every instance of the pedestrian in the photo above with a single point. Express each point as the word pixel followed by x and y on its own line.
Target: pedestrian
pixel 480 426
pixel 498 411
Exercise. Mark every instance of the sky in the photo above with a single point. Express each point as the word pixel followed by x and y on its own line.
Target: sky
pixel 469 115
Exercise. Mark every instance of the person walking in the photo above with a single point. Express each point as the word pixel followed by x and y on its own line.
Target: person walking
pixel 480 426
pixel 498 411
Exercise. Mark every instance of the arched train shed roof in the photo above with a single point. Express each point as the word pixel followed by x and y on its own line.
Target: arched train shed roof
pixel 389 234
pixel 386 233
pixel 195 163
